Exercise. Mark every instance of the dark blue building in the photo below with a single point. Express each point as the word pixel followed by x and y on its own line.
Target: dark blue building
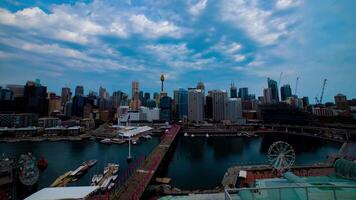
pixel 181 103
pixel 165 106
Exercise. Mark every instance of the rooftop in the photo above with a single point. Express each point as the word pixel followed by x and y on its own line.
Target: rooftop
pixel 56 193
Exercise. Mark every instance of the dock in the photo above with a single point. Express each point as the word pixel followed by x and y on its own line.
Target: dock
pixel 139 180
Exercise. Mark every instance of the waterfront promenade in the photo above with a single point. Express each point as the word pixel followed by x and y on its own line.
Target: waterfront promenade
pixel 139 180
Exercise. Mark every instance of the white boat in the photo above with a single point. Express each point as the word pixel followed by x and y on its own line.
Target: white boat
pixel 185 134
pixel 111 186
pixel 106 141
pixel 113 178
pixel 147 137
pixel 98 179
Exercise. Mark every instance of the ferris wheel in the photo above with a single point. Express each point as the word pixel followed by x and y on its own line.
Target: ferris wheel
pixel 281 155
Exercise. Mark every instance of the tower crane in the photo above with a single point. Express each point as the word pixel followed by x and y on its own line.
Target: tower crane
pixel 296 86
pixel 320 100
pixel 280 78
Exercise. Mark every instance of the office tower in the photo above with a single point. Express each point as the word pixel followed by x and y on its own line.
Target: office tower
pixel 165 106
pixel 181 103
pixel 102 93
pixel 79 90
pixel 267 96
pixel 218 100
pixel 286 92
pixel 65 95
pixel 201 86
pixel 68 109
pixel 208 108
pixel 233 91
pixel 142 98
pixel 151 103
pixel 147 96
pixel 54 103
pixel 36 98
pixel 156 98
pixel 17 90
pixel 195 105
pixel 341 102
pixel 78 105
pixel 135 100
pixel 272 84
pixel 6 94
pixel 243 93
pixel 233 109
pixel 305 101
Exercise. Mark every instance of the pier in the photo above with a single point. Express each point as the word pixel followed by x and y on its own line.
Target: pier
pixel 139 180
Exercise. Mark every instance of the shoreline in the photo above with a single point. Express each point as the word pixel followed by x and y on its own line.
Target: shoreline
pixel 45 138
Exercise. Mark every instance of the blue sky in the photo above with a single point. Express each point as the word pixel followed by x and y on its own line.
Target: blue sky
pixel 110 43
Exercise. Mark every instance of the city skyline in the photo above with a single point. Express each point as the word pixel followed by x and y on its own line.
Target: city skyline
pixel 192 41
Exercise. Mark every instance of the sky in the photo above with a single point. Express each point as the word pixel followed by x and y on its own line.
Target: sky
pixel 110 43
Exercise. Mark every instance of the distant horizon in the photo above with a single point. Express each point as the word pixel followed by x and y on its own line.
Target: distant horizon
pixel 111 43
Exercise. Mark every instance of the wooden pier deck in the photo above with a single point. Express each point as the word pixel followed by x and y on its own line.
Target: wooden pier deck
pixel 139 180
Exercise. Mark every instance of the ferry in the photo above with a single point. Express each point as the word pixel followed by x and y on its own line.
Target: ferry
pixel 106 141
pixel 106 181
pixel 28 169
pixel 90 163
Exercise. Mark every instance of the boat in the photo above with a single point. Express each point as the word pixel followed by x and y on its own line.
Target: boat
pixel 60 179
pixel 28 169
pixel 118 141
pixel 147 137
pixel 106 141
pixel 111 186
pixel 185 134
pixel 80 170
pixel 90 163
pixel 106 181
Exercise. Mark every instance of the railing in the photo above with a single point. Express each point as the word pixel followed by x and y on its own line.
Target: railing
pixel 306 191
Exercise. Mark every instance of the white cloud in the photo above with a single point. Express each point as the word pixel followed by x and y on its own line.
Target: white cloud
pixel 229 49
pixel 285 4
pixel 261 25
pixel 198 7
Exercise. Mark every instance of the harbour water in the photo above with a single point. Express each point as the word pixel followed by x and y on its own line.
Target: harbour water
pixel 196 163
pixel 200 163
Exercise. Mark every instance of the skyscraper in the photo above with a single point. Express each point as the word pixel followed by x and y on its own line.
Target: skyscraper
pixel 243 93
pixel 54 103
pixel 195 105
pixel 267 95
pixel 201 86
pixel 65 96
pixel 233 109
pixel 218 100
pixel 79 90
pixel 36 98
pixel 272 84
pixel 181 103
pixel 165 105
pixel 135 100
pixel 233 91
pixel 286 92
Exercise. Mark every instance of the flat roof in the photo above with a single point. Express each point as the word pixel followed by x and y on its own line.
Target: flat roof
pixel 57 193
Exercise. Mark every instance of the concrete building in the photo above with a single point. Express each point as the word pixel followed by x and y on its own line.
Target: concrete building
pixel 201 87
pixel 233 109
pixel 341 102
pixel 17 90
pixel 54 104
pixel 151 114
pixel 135 102
pixel 218 100
pixel 49 122
pixel 195 105
pixel 267 95
pixel 65 95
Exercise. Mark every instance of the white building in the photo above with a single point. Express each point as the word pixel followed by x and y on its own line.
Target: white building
pixel 149 114
pixel 195 105
pixel 267 95
pixel 233 109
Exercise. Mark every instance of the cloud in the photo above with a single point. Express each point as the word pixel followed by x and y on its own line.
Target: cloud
pixel 261 25
pixel 285 4
pixel 229 49
pixel 197 8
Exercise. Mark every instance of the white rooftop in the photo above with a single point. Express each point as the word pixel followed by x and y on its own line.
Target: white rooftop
pixel 56 193
pixel 130 131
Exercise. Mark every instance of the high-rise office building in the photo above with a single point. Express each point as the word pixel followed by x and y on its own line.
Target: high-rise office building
pixel 54 103
pixel 233 109
pixel 142 98
pixel 135 100
pixel 195 105
pixel 218 100
pixel 233 91
pixel 286 92
pixel 272 84
pixel 208 106
pixel 79 90
pixel 201 86
pixel 165 105
pixel 243 93
pixel 65 96
pixel 181 103
pixel 267 96
pixel 18 90
pixel 103 94
pixel 36 98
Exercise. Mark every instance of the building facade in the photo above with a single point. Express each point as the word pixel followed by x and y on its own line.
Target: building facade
pixel 195 105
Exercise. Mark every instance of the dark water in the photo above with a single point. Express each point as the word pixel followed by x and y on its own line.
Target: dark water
pixel 196 163
pixel 63 156
pixel 200 163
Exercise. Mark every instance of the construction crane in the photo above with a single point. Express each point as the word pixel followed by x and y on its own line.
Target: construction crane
pixel 320 100
pixel 280 78
pixel 296 86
